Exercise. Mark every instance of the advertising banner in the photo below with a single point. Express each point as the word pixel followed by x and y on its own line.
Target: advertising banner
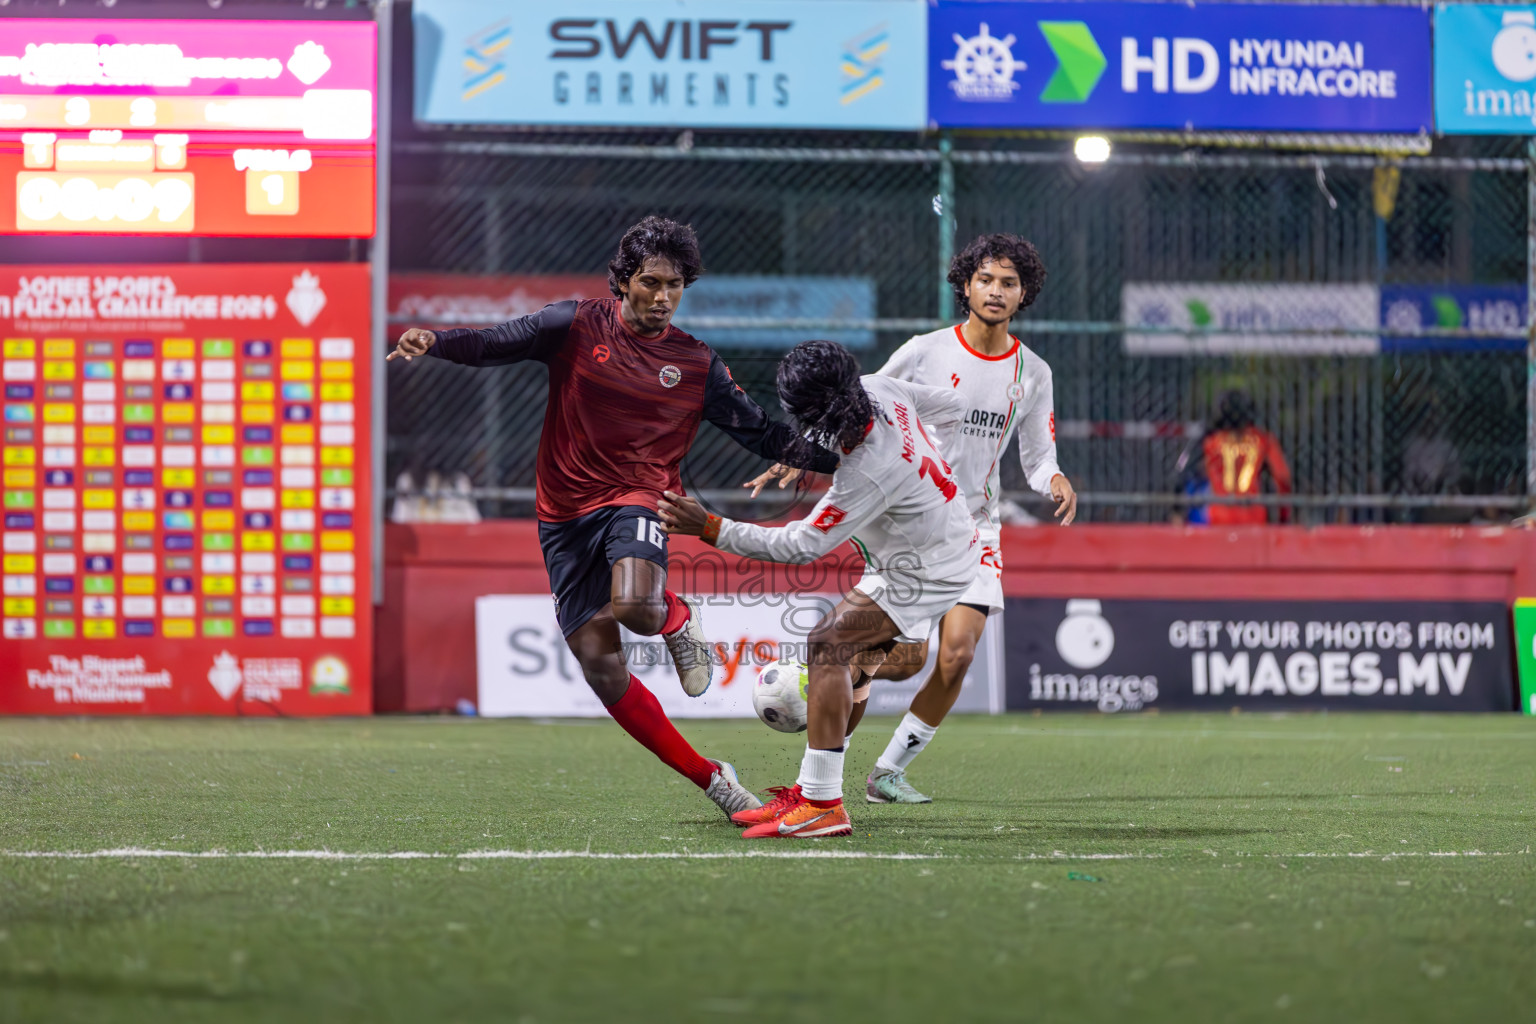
pixel 129 126
pixel 525 668
pixel 186 509
pixel 1117 655
pixel 687 63
pixel 1485 69
pixel 1216 309
pixel 772 297
pixel 1496 308
pixel 1249 67
pixel 481 299
pixel 1525 651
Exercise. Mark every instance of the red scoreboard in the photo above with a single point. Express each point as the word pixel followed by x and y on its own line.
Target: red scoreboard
pixel 187 127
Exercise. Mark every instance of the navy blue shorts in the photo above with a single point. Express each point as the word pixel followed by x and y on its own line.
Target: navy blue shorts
pixel 579 555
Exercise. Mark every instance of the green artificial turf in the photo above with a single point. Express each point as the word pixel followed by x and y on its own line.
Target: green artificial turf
pixel 1274 868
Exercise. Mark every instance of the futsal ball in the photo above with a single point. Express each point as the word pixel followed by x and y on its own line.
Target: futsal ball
pixel 779 696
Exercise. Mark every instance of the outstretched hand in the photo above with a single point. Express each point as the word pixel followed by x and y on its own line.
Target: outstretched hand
pixel 681 514
pixel 786 475
pixel 1066 499
pixel 412 343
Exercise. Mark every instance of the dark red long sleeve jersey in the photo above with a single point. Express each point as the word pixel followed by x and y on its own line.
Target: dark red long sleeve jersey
pixel 623 409
pixel 1234 463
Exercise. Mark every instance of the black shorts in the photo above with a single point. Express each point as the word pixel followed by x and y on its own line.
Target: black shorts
pixel 579 555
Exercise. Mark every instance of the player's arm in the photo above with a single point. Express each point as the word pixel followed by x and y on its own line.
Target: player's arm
pixel 1037 454
pixel 731 409
pixel 1279 470
pixel 940 411
pixel 853 500
pixel 533 336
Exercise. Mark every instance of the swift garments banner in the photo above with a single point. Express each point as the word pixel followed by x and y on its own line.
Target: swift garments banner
pixel 186 515
pixel 693 63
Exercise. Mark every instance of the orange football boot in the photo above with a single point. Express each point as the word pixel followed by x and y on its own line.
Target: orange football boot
pixel 804 820
pixel 784 797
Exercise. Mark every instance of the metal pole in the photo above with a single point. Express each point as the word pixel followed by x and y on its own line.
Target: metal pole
pixel 1530 320
pixel 945 203
pixel 378 259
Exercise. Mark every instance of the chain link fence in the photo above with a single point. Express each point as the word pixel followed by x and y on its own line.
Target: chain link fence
pixel 1259 271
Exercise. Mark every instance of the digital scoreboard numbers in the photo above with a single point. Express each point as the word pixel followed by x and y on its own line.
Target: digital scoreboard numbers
pixel 186 515
pixel 187 127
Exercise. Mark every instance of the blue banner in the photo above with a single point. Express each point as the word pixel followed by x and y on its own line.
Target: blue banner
pixel 1242 67
pixel 686 63
pixel 774 297
pixel 1485 69
pixel 1498 308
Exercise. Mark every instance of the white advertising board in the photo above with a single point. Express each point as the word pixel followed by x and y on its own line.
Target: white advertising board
pixel 525 669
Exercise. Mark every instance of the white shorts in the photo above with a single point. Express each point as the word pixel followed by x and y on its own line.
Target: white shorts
pixel 986 590
pixel 916 606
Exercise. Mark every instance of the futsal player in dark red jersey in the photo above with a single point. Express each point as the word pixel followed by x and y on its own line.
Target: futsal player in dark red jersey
pixel 626 393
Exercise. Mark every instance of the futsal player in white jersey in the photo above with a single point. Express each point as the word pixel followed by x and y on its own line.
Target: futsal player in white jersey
pixel 1007 391
pixel 893 496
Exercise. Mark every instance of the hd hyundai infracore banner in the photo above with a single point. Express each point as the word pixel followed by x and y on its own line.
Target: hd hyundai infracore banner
pixel 1262 67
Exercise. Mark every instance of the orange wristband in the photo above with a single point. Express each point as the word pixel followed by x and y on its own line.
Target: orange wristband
pixel 711 531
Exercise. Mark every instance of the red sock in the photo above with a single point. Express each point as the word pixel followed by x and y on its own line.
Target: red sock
pixel 825 803
pixel 677 613
pixel 639 712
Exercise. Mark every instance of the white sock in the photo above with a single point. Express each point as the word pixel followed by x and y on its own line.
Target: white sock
pixel 911 736
pixel 821 774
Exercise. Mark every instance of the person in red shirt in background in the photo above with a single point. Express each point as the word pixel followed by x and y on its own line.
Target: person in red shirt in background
pixel 1234 456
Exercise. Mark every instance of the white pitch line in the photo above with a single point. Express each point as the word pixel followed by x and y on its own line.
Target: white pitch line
pixel 135 852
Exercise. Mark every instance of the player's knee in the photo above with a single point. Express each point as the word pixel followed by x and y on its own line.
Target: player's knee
pixel 642 615
pixel 608 678
pixel 955 661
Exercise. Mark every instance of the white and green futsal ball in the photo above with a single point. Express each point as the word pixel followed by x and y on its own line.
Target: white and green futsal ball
pixel 779 696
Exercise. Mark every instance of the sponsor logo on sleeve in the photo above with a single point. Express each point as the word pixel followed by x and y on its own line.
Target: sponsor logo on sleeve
pixel 829 517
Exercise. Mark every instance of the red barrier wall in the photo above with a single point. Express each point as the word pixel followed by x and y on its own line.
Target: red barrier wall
pixel 425 631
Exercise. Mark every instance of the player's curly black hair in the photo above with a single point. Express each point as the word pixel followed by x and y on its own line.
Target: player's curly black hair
pixel 819 388
pixel 659 237
pixel 1019 251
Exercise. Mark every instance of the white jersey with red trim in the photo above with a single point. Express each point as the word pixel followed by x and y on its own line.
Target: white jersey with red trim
pixel 892 496
pixel 1003 394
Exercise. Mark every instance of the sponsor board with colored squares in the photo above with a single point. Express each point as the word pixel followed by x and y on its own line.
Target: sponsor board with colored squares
pixel 180 487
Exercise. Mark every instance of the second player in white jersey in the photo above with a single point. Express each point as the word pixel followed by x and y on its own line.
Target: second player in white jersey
pixel 1007 392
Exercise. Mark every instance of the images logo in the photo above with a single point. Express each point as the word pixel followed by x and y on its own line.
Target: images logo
pixel 1084 639
pixel 1079 62
pixel 1514 48
pixel 984 67
pixel 482 67
pixel 863 71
